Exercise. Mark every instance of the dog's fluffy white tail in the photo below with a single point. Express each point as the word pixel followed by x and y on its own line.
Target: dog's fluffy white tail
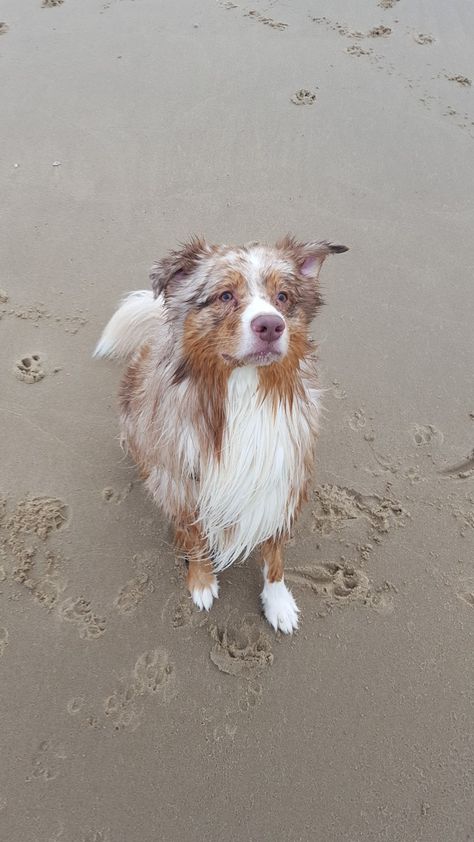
pixel 137 318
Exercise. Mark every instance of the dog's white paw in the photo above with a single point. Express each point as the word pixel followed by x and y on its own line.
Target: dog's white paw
pixel 204 597
pixel 279 607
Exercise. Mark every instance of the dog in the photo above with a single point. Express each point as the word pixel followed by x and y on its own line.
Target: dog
pixel 220 402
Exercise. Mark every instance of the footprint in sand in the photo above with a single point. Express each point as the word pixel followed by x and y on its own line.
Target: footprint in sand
pixel 422 38
pixel 30 369
pixel 357 420
pixel 342 583
pixel 331 580
pixel 336 506
pixel 132 593
pixel 427 435
pixel 379 32
pixel 78 611
pixel 240 647
pixel 254 15
pixel 38 568
pixel 303 97
pixel 153 672
pixel 273 24
pixel 343 29
pixel 44 764
pixel 112 495
pixel 122 710
pixel 39 516
pixel 381 599
pixel 23 535
pixel 47 589
pixel 178 610
pixel 39 575
pixel 153 675
pixel 355 50
pixel 250 697
pixel 450 111
pixel 338 391
pixel 464 81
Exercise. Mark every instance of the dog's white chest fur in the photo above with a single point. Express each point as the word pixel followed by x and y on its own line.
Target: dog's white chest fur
pixel 252 492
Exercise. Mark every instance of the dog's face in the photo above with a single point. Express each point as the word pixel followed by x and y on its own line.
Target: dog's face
pixel 239 306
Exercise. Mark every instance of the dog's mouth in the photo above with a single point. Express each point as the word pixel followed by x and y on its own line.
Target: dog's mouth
pixel 266 357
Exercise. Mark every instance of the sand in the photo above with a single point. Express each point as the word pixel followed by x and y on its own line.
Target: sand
pixel 127 716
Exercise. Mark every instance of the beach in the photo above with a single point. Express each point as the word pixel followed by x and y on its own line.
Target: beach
pixel 127 715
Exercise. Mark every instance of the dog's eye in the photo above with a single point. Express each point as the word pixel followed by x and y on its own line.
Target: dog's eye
pixel 226 296
pixel 282 297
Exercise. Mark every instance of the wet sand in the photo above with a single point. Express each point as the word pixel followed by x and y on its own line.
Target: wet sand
pixel 127 716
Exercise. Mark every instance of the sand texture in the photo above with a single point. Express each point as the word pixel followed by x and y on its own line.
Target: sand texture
pixel 126 715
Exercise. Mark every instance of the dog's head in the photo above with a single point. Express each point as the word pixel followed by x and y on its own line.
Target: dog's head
pixel 248 305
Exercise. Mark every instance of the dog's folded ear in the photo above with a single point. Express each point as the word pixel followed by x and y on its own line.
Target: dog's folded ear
pixel 309 257
pixel 178 264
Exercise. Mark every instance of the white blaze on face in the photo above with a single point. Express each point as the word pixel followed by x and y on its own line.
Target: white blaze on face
pixel 250 342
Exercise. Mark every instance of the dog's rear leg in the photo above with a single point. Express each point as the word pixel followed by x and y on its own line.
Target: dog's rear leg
pixel 279 607
pixel 200 580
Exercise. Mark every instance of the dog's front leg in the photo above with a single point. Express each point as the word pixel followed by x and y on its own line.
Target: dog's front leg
pixel 279 607
pixel 200 580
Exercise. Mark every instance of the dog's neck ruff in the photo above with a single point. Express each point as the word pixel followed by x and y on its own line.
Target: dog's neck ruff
pixel 251 491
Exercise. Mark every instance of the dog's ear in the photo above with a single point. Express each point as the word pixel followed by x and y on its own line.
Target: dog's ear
pixel 309 257
pixel 178 264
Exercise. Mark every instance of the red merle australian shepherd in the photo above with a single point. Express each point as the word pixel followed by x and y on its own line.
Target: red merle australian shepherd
pixel 220 402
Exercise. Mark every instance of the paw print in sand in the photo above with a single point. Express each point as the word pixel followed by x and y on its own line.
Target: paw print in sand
pixel 303 97
pixel 30 369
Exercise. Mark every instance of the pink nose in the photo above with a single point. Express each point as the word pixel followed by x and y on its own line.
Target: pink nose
pixel 268 327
